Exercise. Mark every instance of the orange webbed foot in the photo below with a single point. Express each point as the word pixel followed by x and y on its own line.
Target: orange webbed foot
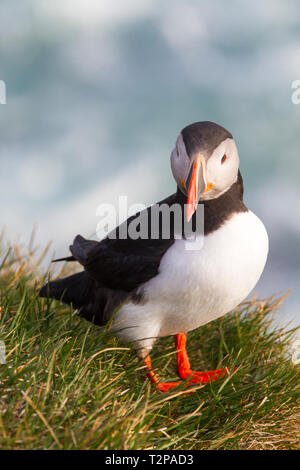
pixel 202 377
pixel 184 368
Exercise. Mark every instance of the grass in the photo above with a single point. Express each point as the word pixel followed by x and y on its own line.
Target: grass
pixel 67 385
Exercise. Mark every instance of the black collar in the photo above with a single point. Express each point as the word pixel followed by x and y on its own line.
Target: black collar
pixel 219 210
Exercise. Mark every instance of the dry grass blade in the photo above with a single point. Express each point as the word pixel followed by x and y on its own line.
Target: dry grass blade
pixel 40 414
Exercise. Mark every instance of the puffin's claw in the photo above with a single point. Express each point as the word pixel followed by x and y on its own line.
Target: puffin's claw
pixel 184 369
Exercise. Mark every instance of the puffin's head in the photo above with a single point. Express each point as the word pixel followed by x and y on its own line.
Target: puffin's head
pixel 204 162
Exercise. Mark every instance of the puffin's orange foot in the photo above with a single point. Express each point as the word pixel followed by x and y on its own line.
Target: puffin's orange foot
pixel 202 377
pixel 184 368
pixel 161 386
pixel 166 386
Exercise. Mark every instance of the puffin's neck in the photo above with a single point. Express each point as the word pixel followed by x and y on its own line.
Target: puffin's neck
pixel 217 211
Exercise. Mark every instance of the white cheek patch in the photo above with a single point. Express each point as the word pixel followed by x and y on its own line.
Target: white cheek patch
pixel 227 147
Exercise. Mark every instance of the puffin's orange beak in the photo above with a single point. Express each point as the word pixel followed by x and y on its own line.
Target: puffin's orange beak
pixel 192 200
pixel 193 187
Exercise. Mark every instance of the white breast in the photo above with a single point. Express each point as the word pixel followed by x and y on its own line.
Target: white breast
pixel 194 287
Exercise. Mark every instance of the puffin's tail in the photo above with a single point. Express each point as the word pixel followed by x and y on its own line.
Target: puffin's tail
pixel 94 302
pixel 75 289
pixel 79 290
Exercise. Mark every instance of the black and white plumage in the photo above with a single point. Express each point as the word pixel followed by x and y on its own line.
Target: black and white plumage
pixel 162 286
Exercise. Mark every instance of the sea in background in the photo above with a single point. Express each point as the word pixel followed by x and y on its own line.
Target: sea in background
pixel 97 91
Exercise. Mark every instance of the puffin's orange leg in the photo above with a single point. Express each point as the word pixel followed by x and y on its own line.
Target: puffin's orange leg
pixel 184 368
pixel 161 386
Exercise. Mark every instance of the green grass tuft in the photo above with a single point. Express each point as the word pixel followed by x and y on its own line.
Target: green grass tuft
pixel 66 385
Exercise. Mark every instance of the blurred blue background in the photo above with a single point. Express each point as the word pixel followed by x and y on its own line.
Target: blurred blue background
pixel 97 92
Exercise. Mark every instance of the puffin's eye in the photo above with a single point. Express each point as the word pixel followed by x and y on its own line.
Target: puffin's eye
pixel 223 159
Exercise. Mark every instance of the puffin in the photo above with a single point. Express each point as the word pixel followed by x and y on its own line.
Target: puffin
pixel 167 275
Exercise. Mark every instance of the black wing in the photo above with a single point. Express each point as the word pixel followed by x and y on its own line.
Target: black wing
pixel 124 264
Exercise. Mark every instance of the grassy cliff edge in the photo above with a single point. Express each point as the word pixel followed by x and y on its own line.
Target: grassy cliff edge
pixel 67 385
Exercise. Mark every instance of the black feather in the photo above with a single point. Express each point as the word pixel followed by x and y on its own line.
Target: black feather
pixel 93 302
pixel 81 248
